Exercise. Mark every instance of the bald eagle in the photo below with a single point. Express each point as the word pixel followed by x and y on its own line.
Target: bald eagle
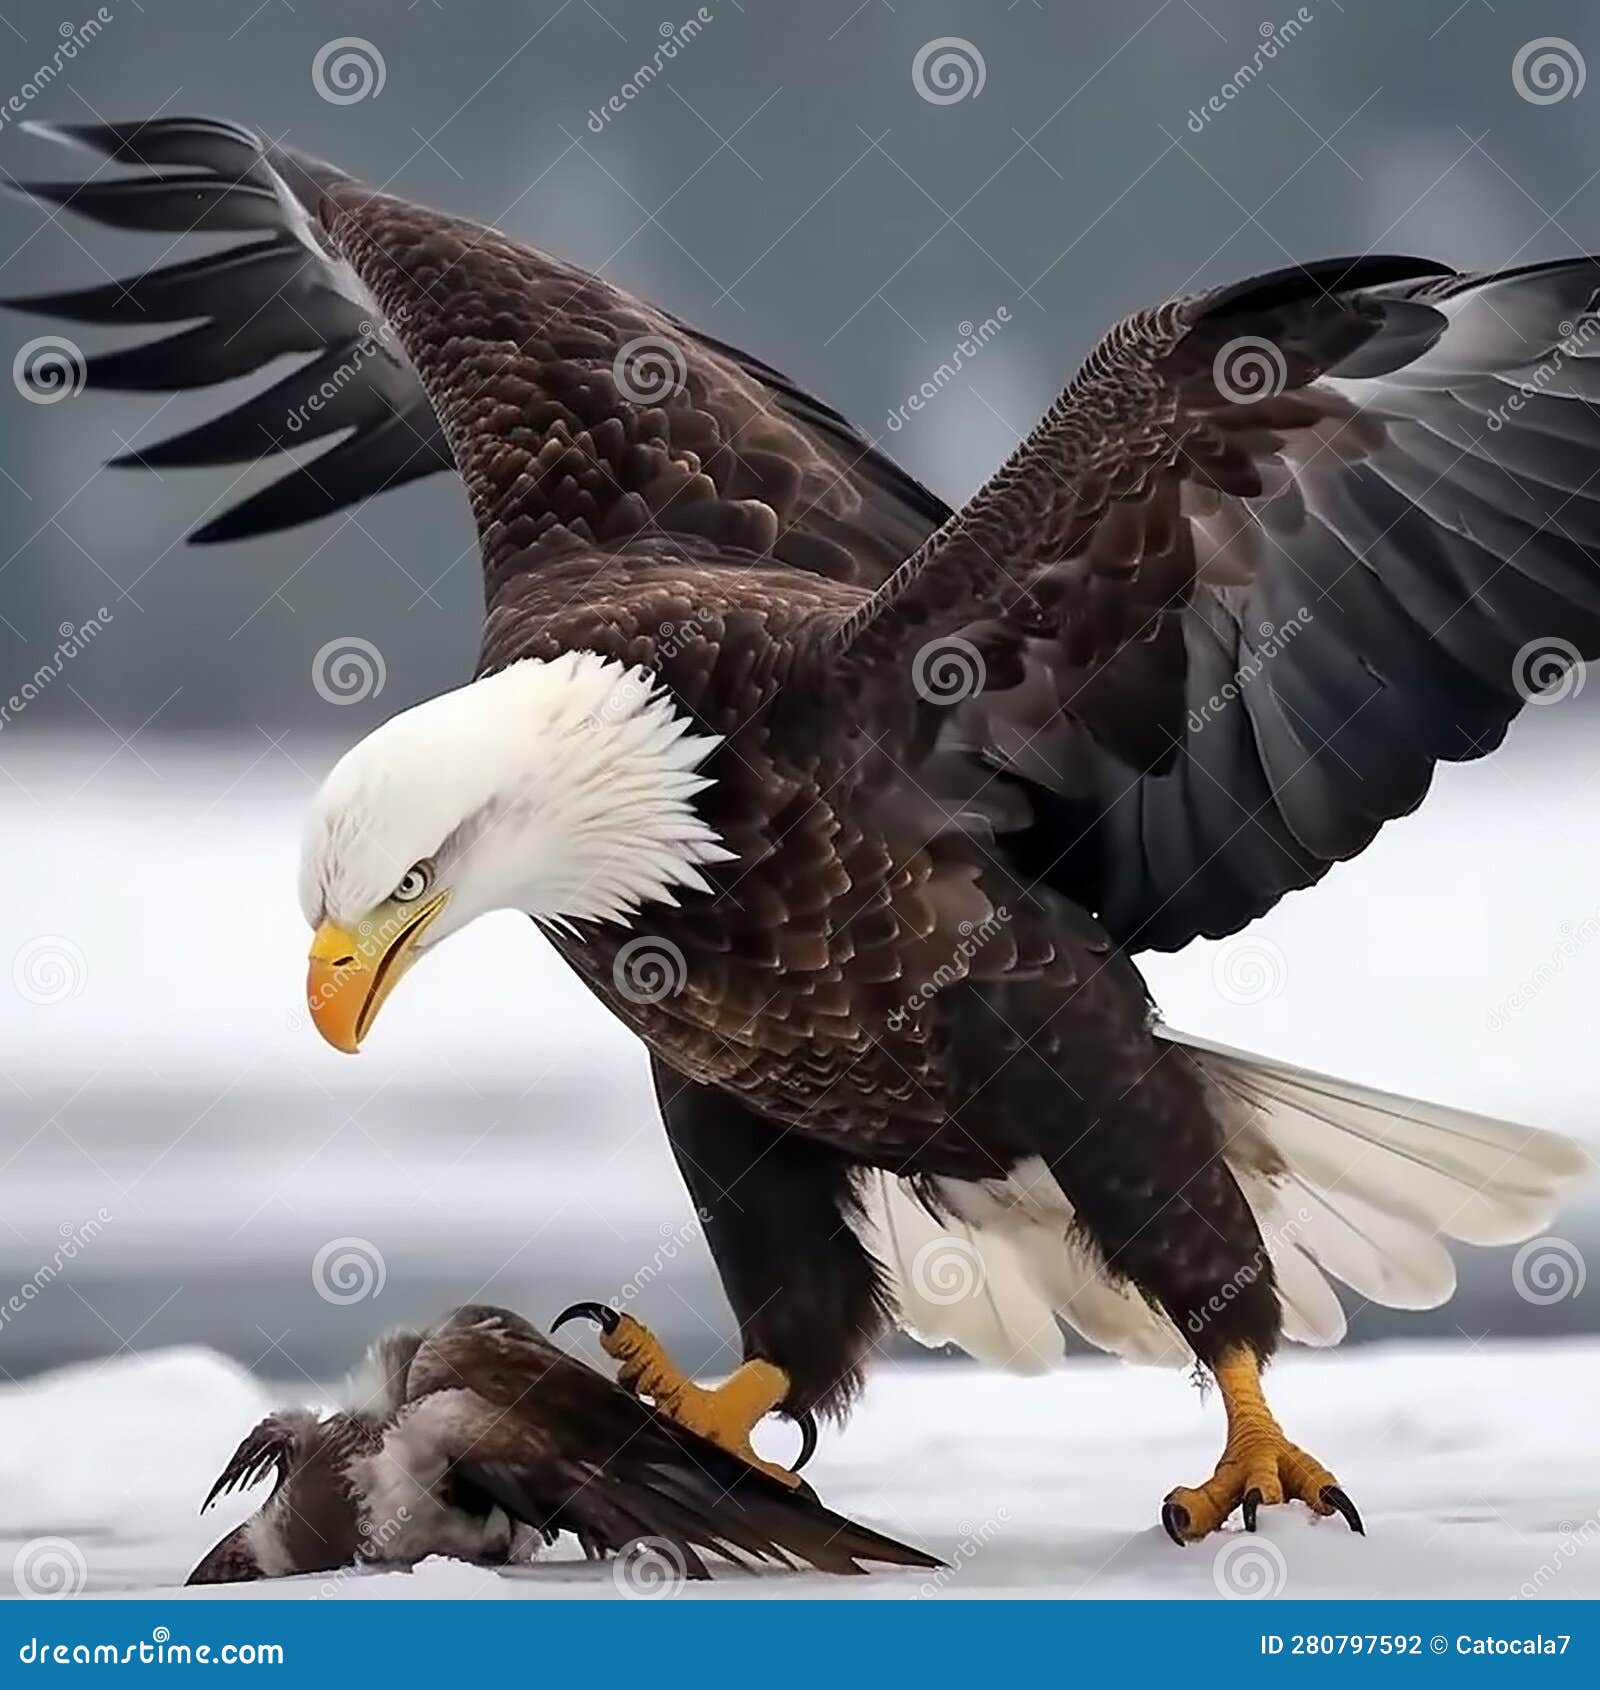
pixel 858 810
pixel 479 1438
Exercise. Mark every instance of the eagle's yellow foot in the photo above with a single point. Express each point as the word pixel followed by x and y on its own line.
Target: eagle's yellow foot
pixel 1259 1465
pixel 725 1415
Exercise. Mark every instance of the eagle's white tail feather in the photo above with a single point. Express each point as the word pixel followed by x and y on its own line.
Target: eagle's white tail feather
pixel 1031 1269
pixel 1448 1172
pixel 1385 1253
pixel 952 1286
pixel 1312 1312
pixel 1344 1180
pixel 1110 1313
pixel 1364 1184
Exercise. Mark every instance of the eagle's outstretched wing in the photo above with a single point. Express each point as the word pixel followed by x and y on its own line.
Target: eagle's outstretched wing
pixel 1276 552
pixel 434 343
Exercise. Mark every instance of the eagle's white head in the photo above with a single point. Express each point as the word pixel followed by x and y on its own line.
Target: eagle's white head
pixel 563 788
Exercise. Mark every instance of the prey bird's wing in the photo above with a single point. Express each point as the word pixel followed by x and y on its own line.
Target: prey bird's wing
pixel 1276 552
pixel 574 413
pixel 560 1447
pixel 273 1445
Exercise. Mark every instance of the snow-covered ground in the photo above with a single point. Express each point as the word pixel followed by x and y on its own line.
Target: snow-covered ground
pixel 1476 1468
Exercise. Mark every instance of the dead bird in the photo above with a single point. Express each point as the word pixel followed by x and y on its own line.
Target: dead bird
pixel 479 1438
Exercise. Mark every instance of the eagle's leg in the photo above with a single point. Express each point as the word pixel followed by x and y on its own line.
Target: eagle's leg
pixel 1259 1465
pixel 778 1210
pixel 726 1414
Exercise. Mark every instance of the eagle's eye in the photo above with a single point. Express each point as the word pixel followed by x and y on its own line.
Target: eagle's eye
pixel 413 883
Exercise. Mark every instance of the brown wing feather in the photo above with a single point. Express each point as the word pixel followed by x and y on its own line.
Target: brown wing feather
pixel 504 363
pixel 558 1445
pixel 1276 552
pixel 1086 538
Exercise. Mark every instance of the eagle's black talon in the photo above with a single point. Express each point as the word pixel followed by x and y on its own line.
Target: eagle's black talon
pixel 1335 1498
pixel 1252 1501
pixel 606 1319
pixel 805 1490
pixel 1175 1517
pixel 807 1422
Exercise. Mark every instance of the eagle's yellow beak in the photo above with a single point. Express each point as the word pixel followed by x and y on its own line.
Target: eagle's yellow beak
pixel 351 974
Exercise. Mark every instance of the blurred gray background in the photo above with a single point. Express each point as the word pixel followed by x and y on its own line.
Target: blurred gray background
pixel 784 185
